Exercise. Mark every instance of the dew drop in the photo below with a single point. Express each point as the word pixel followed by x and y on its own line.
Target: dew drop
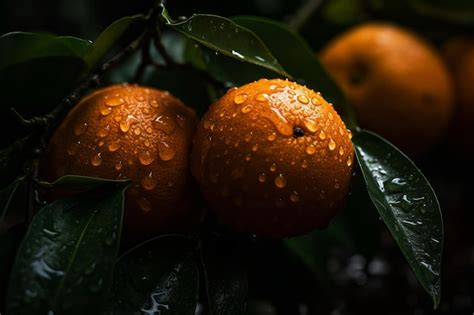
pixel 165 123
pixel 330 116
pixel 322 135
pixel 80 129
pixel 248 157
pixel 114 146
pixel 137 131
pixel 341 151
pixel 315 101
pixel 255 148
pixel 349 162
pixel 118 118
pixel 148 182
pixel 311 125
pixel 153 103
pixel 145 157
pixel 295 197
pixel 341 131
pixel 103 132
pixel 101 143
pixel 240 98
pixel 146 143
pixel 165 151
pixel 273 167
pixel 272 137
pixel 140 98
pixel 125 125
pixel 331 145
pixel 262 178
pixel 118 165
pixel 105 111
pixel 246 109
pixel 310 149
pixel 303 99
pixel 262 97
pixel 149 129
pixel 96 159
pixel 144 204
pixel 349 133
pixel 280 181
pixel 114 101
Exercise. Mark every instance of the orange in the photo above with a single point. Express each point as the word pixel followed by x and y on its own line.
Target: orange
pixel 140 133
pixel 396 82
pixel 273 158
pixel 459 55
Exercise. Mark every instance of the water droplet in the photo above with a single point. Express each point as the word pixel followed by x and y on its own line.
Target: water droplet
pixel 303 99
pixel 310 149
pixel 148 182
pixel 248 157
pixel 330 116
pixel 272 137
pixel 246 109
pixel 395 185
pixel 96 159
pixel 280 181
pixel 140 98
pixel 262 97
pixel 144 204
pixel 349 162
pixel 331 145
pixel 240 98
pixel 125 126
pixel 341 151
pixel 314 101
pixel 118 118
pixel 255 147
pixel 341 131
pixel 114 101
pixel 311 125
pixel 273 167
pixel 149 129
pixel 166 124
pixel 145 157
pixel 165 151
pixel 146 143
pixel 349 133
pixel 103 132
pixel 278 121
pixel 304 164
pixel 295 197
pixel 80 129
pixel 118 165
pixel 153 103
pixel 322 135
pixel 105 111
pixel 262 178
pixel 101 143
pixel 137 131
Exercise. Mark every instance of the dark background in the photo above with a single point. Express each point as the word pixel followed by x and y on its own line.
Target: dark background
pixel 370 278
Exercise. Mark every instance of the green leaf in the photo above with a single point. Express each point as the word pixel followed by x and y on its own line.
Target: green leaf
pixel 79 182
pixel 296 57
pixel 157 277
pixel 108 38
pixel 224 36
pixel 6 200
pixel 226 278
pixel 407 204
pixel 65 262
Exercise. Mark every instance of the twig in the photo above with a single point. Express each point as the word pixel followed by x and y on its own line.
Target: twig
pixel 304 13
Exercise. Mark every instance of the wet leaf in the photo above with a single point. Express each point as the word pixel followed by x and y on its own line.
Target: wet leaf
pixel 407 204
pixel 108 38
pixel 225 37
pixel 158 276
pixel 65 262
pixel 296 57
pixel 226 278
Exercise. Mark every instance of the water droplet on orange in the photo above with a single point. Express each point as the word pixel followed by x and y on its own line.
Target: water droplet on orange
pixel 303 99
pixel 153 103
pixel 101 143
pixel 262 178
pixel 322 135
pixel 114 146
pixel 310 149
pixel 331 145
pixel 279 121
pixel 314 101
pixel 145 157
pixel 118 118
pixel 248 157
pixel 294 197
pixel 125 126
pixel 137 131
pixel 118 165
pixel 272 137
pixel 80 129
pixel 149 129
pixel 105 111
pixel 341 131
pixel 96 159
pixel 349 133
pixel 255 147
pixel 165 123
pixel 240 98
pixel 103 132
pixel 140 98
pixel 144 204
pixel 304 164
pixel 146 143
pixel 311 125
pixel 165 151
pixel 280 181
pixel 114 101
pixel 349 162
pixel 330 116
pixel 246 109
pixel 149 182
pixel 273 167
pixel 262 97
pixel 341 151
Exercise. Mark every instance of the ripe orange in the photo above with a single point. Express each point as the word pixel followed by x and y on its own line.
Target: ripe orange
pixel 459 55
pixel 129 131
pixel 396 82
pixel 273 158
